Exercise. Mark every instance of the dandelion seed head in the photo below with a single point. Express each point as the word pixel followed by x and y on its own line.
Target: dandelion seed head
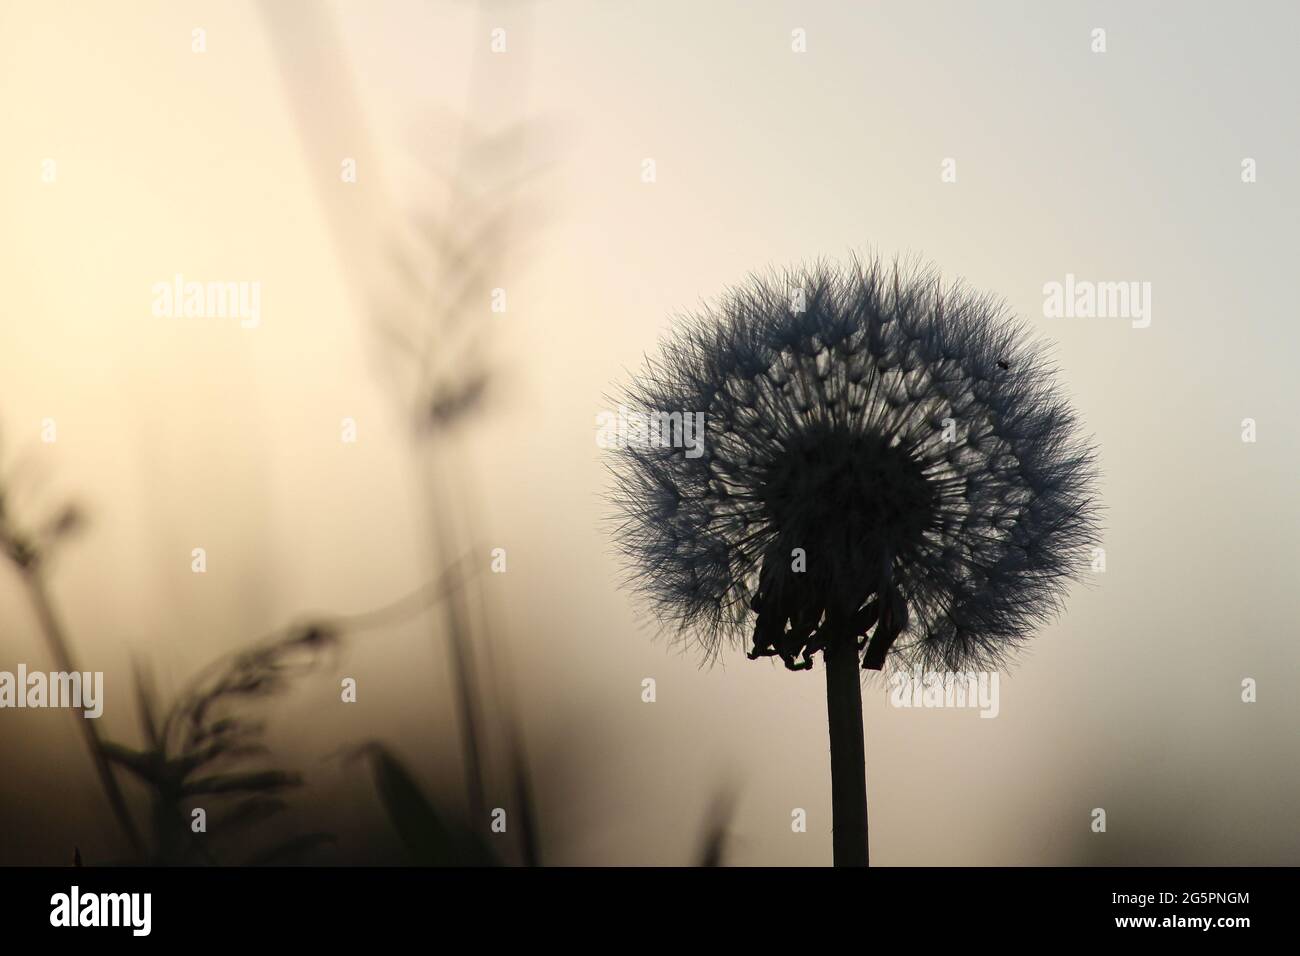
pixel 909 440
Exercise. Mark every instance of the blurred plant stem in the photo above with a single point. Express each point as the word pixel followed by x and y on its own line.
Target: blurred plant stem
pixel 57 640
pixel 460 488
pixel 439 376
pixel 456 615
pixel 470 246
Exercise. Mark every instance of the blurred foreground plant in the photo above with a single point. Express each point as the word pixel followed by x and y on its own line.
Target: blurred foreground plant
pixel 197 748
pixel 29 552
pixel 199 751
pixel 204 749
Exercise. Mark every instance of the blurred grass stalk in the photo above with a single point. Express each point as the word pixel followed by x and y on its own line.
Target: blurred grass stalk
pixel 56 639
pixel 27 552
pixel 310 55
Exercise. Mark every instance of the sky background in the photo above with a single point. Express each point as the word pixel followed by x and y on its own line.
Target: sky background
pixel 183 433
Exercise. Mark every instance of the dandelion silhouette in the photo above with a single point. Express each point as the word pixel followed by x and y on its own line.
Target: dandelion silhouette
pixel 888 469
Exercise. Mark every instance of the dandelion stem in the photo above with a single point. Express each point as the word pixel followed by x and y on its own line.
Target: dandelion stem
pixel 848 752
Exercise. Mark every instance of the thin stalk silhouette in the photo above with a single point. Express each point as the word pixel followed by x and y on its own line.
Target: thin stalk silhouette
pixel 60 648
pixel 461 650
pixel 441 299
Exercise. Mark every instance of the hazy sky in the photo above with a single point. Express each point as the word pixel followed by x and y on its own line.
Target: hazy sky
pixel 224 165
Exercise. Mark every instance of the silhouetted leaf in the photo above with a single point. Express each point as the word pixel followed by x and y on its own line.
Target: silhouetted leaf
pixel 251 811
pixel 232 782
pixel 713 847
pixel 530 841
pixel 144 702
pixel 428 837
pixel 143 765
pixel 413 816
pixel 225 748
